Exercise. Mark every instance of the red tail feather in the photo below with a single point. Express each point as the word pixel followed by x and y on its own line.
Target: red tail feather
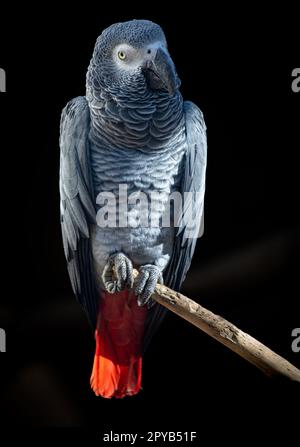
pixel 117 370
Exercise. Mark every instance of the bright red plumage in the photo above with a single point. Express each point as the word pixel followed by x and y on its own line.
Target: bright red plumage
pixel 117 369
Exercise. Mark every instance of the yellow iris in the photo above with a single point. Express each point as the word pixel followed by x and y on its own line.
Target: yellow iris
pixel 121 55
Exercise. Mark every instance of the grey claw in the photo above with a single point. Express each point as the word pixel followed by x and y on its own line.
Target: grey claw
pixel 149 276
pixel 150 303
pixel 117 273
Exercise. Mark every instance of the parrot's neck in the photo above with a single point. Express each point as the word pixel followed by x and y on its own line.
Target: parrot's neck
pixel 137 118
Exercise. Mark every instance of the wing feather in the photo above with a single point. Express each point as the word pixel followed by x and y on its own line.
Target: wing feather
pixel 77 209
pixel 191 221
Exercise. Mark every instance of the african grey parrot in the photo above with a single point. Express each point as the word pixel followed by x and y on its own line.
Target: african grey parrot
pixel 130 136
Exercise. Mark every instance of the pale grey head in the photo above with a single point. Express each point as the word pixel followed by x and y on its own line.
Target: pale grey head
pixel 132 54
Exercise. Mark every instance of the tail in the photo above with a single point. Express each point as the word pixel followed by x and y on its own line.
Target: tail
pixel 117 369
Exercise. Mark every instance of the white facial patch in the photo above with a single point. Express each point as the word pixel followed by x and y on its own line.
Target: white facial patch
pixel 126 57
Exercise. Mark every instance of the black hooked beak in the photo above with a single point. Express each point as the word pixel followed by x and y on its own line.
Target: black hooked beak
pixel 161 73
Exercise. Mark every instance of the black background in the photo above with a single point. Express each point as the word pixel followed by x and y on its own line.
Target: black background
pixel 236 65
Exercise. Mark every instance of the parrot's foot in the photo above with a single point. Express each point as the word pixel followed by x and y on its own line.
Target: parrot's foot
pixel 117 273
pixel 149 276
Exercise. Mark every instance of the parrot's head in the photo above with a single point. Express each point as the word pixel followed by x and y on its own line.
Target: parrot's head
pixel 133 55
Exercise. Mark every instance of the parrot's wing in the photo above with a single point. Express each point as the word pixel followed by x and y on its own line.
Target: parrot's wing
pixel 76 205
pixel 191 220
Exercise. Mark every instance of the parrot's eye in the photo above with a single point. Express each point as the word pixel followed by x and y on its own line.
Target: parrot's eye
pixel 121 55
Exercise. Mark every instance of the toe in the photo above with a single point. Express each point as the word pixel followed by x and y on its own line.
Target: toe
pixel 120 272
pixel 149 276
pixel 144 297
pixel 129 274
pixel 141 283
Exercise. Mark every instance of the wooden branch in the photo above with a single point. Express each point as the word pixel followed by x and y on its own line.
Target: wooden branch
pixel 226 333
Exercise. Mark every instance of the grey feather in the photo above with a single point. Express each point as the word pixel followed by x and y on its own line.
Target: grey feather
pixel 193 211
pixel 77 209
pixel 191 221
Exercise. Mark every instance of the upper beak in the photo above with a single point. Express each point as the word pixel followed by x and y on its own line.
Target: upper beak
pixel 163 68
